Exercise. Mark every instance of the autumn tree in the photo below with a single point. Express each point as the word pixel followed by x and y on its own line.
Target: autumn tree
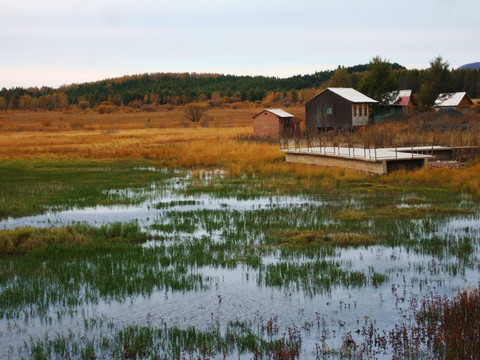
pixel 294 95
pixel 196 111
pixel 340 78
pixel 435 81
pixel 378 81
pixel 83 105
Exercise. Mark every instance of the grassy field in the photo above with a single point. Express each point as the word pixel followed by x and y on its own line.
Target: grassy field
pixel 55 161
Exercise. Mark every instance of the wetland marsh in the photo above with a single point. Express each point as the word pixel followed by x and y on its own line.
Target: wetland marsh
pixel 124 260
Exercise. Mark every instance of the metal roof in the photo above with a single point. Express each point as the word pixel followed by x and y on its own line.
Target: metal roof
pixel 351 95
pixel 450 99
pixel 402 99
pixel 278 112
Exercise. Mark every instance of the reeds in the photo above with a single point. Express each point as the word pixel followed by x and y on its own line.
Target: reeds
pixel 160 137
pixel 333 210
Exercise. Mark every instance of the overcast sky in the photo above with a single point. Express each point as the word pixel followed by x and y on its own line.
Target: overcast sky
pixel 53 42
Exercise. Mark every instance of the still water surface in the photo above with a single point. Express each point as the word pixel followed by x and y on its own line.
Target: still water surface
pixel 236 294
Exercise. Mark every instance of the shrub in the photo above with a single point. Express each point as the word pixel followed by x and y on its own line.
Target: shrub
pixel 149 108
pixel 76 124
pixel 46 122
pixel 83 105
pixel 105 109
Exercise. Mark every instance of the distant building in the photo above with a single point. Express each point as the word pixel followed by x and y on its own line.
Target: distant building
pixel 402 103
pixel 457 101
pixel 274 122
pixel 339 108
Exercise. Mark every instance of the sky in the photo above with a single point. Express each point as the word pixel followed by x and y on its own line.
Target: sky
pixel 54 43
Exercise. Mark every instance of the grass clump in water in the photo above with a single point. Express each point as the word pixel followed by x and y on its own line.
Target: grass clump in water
pixel 298 239
pixel 24 240
pixel 166 205
pixel 420 212
pixel 353 215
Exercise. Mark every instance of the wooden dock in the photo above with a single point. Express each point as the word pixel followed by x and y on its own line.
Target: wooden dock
pixel 377 160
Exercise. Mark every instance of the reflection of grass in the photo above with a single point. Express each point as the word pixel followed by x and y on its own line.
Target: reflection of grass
pixel 166 205
pixel 172 342
pixel 420 212
pixel 78 265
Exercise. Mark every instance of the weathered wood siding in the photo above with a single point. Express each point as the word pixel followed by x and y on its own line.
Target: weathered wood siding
pixel 464 105
pixel 328 110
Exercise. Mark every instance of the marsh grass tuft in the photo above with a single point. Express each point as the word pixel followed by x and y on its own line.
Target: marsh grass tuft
pixel 420 211
pixel 25 240
pixel 353 215
pixel 306 238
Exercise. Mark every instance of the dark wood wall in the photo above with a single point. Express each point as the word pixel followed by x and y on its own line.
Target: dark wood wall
pixel 316 111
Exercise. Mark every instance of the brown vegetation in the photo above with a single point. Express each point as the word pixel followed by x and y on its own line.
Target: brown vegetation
pixel 225 142
pixel 308 238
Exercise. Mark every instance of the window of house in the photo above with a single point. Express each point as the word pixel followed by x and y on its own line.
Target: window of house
pixel 354 110
pixel 329 111
pixel 360 110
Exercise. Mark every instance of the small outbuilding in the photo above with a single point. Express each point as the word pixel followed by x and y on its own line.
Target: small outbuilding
pixel 459 101
pixel 274 122
pixel 402 103
pixel 339 108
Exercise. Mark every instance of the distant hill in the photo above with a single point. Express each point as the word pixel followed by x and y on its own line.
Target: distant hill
pixel 364 67
pixel 475 65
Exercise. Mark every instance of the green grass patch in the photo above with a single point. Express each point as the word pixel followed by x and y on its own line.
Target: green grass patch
pixel 33 187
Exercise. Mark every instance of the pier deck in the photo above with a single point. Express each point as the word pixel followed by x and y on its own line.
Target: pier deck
pixel 378 161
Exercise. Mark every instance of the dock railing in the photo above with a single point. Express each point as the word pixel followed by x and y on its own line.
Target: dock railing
pixel 326 147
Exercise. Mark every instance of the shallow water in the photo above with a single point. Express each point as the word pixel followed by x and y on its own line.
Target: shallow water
pixel 238 294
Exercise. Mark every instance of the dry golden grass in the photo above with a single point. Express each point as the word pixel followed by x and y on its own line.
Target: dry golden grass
pixel 171 141
pixel 26 239
pixel 307 238
pixel 119 135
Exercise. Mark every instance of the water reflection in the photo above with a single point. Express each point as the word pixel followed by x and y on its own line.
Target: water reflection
pixel 238 293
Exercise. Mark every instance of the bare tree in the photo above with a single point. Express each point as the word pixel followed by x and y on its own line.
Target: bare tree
pixel 196 111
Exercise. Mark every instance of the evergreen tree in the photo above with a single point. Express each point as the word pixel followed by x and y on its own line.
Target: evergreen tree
pixel 435 81
pixel 378 81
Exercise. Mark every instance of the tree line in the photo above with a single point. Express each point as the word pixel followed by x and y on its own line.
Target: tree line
pixel 141 91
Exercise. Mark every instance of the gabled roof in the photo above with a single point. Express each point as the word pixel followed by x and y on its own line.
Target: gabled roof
pixel 451 99
pixel 278 112
pixel 349 94
pixel 402 99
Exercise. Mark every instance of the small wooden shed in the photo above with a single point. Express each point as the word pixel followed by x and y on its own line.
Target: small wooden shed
pixel 274 122
pixel 339 108
pixel 459 101
pixel 402 103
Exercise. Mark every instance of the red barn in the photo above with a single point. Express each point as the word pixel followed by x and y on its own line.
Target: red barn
pixel 274 122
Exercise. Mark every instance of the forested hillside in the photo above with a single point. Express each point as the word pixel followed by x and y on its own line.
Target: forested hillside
pixel 148 91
